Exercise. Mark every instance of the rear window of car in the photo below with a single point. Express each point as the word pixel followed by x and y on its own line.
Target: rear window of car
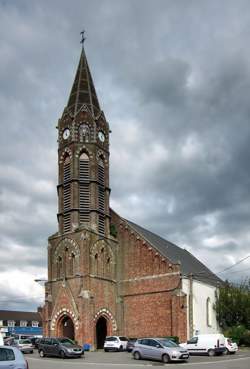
pixel 6 354
pixel 123 338
pixel 25 341
pixel 111 339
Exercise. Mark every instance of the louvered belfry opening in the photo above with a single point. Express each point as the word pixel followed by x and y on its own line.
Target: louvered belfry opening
pixel 84 184
pixel 66 194
pixel 101 197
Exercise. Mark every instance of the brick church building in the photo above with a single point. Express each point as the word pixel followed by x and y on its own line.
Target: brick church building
pixel 107 275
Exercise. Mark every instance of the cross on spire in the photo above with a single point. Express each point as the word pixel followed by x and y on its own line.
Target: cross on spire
pixel 83 38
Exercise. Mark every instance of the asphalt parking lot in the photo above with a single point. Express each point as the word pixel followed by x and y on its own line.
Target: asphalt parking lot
pixel 118 360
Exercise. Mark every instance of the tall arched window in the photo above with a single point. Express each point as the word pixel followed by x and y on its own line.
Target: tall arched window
pixel 84 193
pixel 72 264
pixel 66 193
pixel 59 267
pixel 101 196
pixel 209 312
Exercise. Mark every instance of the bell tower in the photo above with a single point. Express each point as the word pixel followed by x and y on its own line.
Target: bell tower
pixel 83 159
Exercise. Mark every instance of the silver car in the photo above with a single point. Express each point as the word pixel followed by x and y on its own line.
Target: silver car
pixel 159 349
pixel 11 357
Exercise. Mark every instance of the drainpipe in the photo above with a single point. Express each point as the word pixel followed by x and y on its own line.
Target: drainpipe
pixel 191 310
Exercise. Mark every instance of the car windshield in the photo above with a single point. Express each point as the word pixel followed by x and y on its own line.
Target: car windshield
pixel 111 339
pixel 168 343
pixel 66 341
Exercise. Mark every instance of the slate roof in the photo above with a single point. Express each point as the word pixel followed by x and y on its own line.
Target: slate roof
pixel 20 315
pixel 188 263
pixel 83 89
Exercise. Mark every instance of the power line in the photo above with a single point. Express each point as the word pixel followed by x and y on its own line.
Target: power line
pixel 238 262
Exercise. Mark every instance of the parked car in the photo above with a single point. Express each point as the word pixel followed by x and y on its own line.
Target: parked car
pixel 115 343
pixel 24 345
pixel 35 341
pixel 131 344
pixel 210 344
pixel 12 357
pixel 159 349
pixel 231 347
pixel 59 346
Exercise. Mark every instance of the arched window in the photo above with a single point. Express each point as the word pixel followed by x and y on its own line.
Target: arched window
pixel 84 193
pixel 72 264
pixel 84 133
pixel 66 193
pixel 101 196
pixel 209 312
pixel 59 267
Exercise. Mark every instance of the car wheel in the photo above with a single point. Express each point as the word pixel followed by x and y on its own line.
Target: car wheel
pixel 105 350
pixel 121 348
pixel 165 358
pixel 31 352
pixel 62 354
pixel 41 353
pixel 137 355
pixel 211 352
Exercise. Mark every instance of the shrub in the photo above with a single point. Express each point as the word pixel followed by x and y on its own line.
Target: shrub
pixel 236 333
pixel 173 338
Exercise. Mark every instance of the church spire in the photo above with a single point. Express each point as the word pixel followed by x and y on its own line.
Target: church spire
pixel 83 89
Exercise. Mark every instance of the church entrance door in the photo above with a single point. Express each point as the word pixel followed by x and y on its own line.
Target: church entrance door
pixel 101 332
pixel 67 328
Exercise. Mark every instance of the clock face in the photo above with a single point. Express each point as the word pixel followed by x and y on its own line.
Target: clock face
pixel 101 136
pixel 66 133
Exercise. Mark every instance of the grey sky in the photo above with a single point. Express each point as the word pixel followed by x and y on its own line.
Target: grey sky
pixel 173 78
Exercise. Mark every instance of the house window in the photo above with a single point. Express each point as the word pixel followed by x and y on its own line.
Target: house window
pixel 209 312
pixel 11 323
pixel 35 324
pixel 23 323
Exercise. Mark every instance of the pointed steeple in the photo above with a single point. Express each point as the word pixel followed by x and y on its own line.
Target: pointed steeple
pixel 83 89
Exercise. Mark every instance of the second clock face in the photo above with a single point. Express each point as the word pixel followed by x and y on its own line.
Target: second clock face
pixel 101 136
pixel 66 133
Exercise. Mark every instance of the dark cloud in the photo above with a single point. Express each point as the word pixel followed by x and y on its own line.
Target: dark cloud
pixel 174 86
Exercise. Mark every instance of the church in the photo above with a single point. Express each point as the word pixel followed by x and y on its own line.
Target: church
pixel 106 274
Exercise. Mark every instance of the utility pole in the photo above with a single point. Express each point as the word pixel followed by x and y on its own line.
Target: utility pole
pixel 191 310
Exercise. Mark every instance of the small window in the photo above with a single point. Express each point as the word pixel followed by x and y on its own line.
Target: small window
pixel 11 323
pixel 35 324
pixel 193 340
pixel 6 354
pixel 23 323
pixel 154 343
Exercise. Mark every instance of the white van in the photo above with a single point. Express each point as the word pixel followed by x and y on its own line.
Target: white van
pixel 210 344
pixel 1 339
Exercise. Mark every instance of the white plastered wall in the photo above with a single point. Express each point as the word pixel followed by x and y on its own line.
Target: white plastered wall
pixel 201 292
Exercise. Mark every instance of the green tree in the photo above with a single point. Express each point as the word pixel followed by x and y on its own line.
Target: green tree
pixel 233 305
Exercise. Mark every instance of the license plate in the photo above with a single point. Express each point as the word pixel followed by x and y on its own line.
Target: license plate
pixel 185 356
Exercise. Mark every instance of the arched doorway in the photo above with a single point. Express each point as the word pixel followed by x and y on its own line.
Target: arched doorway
pixel 67 327
pixel 101 332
